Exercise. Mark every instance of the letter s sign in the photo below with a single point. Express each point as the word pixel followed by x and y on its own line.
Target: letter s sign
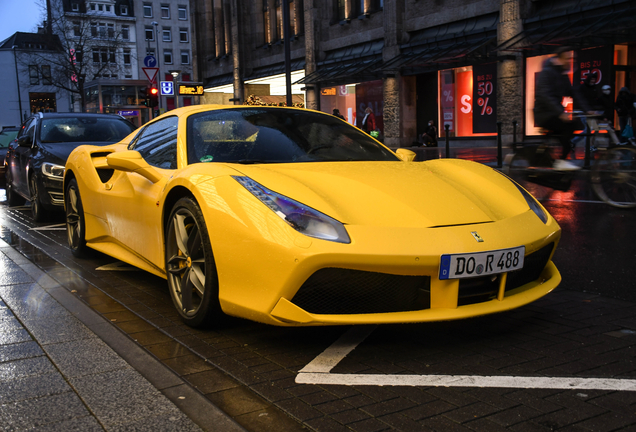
pixel 466 106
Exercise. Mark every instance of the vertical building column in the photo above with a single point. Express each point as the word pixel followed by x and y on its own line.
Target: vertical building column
pixel 219 32
pixel 510 103
pixel 272 30
pixel 311 91
pixel 237 61
pixel 392 115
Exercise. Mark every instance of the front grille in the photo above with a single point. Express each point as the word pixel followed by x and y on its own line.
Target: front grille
pixel 532 267
pixel 343 291
pixel 478 290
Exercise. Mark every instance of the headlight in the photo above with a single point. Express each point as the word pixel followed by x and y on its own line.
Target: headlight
pixel 303 219
pixel 53 170
pixel 533 204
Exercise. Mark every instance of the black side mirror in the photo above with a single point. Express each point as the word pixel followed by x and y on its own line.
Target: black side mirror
pixel 25 141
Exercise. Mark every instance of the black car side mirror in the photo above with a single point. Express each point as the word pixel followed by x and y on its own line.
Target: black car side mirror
pixel 25 141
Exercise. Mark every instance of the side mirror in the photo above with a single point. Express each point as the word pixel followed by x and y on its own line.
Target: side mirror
pixel 131 161
pixel 25 141
pixel 405 155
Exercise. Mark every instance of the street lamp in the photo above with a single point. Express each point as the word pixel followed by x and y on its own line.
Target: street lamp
pixel 156 25
pixel 17 79
pixel 175 74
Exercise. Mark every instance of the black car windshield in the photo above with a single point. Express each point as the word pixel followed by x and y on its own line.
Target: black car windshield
pixel 277 135
pixel 84 129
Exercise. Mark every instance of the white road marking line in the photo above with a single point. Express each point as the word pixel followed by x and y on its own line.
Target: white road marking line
pixel 317 372
pixel 117 266
pixel 56 227
pixel 469 381
pixel 338 350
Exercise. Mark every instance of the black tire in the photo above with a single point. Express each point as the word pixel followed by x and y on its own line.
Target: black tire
pixel 13 199
pixel 37 209
pixel 614 177
pixel 190 266
pixel 75 226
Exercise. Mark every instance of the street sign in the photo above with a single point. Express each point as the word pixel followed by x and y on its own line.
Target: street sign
pixel 191 89
pixel 167 88
pixel 151 73
pixel 128 113
pixel 150 61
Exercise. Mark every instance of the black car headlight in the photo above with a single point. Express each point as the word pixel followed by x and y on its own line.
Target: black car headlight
pixel 53 171
pixel 302 218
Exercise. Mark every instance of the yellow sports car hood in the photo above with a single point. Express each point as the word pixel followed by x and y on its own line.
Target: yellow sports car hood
pixel 441 192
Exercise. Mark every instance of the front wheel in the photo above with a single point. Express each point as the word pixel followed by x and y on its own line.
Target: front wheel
pixel 190 266
pixel 38 211
pixel 75 227
pixel 614 177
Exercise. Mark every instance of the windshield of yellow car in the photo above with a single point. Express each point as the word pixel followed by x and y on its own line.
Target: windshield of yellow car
pixel 277 135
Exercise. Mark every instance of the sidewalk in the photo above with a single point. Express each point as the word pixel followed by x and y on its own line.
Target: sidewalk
pixel 63 367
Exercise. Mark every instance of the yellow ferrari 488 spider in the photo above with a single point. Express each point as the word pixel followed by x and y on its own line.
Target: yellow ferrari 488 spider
pixel 294 217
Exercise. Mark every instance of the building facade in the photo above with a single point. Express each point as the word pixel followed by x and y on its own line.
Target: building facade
pixel 27 61
pixel 465 64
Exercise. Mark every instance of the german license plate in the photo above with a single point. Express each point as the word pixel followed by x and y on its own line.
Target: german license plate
pixel 457 266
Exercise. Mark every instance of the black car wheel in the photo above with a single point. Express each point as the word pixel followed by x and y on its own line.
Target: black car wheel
pixel 190 267
pixel 39 213
pixel 75 228
pixel 13 199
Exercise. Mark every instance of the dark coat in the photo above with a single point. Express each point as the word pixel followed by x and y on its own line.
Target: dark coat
pixel 552 86
pixel 625 103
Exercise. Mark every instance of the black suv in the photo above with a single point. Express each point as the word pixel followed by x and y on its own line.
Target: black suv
pixel 35 160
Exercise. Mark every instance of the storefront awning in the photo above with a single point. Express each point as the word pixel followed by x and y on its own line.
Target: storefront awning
pixel 454 44
pixel 592 23
pixel 355 63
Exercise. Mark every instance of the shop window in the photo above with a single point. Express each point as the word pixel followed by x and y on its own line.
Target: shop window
pixel 468 101
pixel 183 35
pixel 183 12
pixel 165 11
pixel 46 75
pixel 41 102
pixel 34 75
pixel 148 10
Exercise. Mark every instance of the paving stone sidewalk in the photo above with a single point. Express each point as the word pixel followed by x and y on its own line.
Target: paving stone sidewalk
pixel 56 374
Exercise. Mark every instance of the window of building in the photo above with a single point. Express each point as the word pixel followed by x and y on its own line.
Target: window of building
pixel 183 12
pixel 111 30
pixel 148 10
pixel 46 75
pixel 185 57
pixel 34 77
pixel 150 33
pixel 165 11
pixel 107 8
pixel 340 10
pixel 103 55
pixel 183 35
pixel 92 6
pixel 167 34
pixel 279 19
pixel 123 9
pixel 100 7
pixel 75 7
pixel 101 30
pixel 94 29
pixel 167 56
pixel 126 56
pixel 125 32
pixel 150 52
pixel 76 28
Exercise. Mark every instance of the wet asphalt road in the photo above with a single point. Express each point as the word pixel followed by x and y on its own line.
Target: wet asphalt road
pixel 585 329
